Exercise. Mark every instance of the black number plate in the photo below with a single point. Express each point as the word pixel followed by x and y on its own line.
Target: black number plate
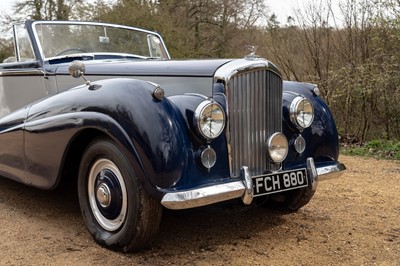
pixel 278 182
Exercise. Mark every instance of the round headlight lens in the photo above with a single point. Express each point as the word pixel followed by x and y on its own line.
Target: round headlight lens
pixel 278 147
pixel 301 112
pixel 210 119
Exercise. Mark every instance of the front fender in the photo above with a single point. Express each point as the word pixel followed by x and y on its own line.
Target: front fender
pixel 150 130
pixel 321 137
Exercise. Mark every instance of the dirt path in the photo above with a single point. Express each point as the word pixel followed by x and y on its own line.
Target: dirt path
pixel 353 220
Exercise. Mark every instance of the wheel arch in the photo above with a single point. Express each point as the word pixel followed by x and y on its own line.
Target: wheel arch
pixel 81 140
pixel 70 167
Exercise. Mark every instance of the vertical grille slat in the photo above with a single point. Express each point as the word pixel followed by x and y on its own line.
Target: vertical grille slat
pixel 255 110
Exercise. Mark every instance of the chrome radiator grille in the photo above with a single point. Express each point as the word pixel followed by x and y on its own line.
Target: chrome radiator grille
pixel 255 113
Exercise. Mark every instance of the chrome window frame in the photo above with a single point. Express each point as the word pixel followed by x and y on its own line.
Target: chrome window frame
pixel 16 28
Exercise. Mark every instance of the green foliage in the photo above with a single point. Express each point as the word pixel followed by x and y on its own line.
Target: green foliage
pixel 381 149
pixel 6 49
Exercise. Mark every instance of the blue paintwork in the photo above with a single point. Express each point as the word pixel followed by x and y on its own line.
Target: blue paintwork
pixel 136 67
pixel 12 145
pixel 195 174
pixel 123 109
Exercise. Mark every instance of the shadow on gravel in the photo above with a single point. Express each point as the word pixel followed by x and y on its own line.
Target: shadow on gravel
pixel 196 230
pixel 58 204
pixel 213 228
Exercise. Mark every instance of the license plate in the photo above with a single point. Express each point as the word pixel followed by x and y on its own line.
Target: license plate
pixel 278 182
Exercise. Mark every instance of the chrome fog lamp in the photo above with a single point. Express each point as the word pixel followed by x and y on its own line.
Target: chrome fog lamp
pixel 278 147
pixel 208 157
pixel 300 144
pixel 210 119
pixel 301 112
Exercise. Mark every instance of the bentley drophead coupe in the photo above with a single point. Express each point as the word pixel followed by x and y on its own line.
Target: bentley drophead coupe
pixel 105 106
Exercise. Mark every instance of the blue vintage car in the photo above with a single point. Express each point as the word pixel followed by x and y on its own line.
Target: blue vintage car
pixel 105 106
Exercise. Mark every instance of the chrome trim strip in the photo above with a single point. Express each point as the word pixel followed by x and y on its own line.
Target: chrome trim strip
pixel 16 43
pixel 22 72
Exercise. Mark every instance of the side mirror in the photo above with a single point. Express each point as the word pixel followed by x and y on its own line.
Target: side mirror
pixel 77 69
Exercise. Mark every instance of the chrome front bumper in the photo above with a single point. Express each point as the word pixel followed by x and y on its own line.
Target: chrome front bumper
pixel 240 188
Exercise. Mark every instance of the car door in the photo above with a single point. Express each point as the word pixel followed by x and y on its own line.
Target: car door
pixel 22 82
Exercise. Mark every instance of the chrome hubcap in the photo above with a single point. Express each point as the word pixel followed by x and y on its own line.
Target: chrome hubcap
pixel 103 195
pixel 107 194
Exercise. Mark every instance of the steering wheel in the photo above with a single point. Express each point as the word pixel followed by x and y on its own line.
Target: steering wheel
pixel 71 49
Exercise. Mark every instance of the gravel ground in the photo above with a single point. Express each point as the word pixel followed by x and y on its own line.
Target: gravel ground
pixel 352 220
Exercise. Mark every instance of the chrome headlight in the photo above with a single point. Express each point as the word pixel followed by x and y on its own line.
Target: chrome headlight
pixel 278 147
pixel 210 119
pixel 301 112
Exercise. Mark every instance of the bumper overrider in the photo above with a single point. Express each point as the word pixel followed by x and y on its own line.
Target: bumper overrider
pixel 242 187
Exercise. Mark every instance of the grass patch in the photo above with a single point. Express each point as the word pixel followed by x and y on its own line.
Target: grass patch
pixel 381 149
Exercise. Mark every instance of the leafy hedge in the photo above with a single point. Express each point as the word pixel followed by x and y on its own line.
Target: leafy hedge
pixel 382 149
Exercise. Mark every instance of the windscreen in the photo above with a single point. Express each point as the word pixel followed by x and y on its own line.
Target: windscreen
pixel 63 39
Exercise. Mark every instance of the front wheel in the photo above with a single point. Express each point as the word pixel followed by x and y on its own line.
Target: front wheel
pixel 118 213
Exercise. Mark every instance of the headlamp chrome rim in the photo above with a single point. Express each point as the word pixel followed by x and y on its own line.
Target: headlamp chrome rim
pixel 210 119
pixel 301 112
pixel 278 147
